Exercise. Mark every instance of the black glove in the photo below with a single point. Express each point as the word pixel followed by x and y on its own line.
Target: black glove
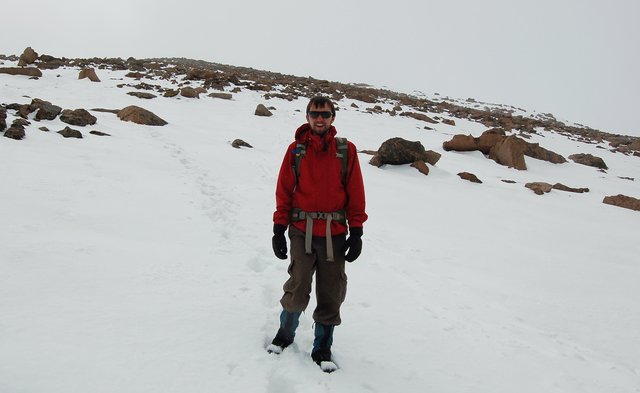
pixel 278 241
pixel 353 244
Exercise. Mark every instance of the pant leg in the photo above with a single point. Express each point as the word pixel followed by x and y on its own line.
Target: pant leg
pixel 297 288
pixel 331 281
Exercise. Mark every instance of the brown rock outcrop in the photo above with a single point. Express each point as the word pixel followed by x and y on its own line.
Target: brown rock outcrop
pixel 89 73
pixel 29 56
pixel 139 115
pixel 262 110
pixel 77 117
pixel 421 166
pixel 539 187
pixel 624 201
pixel 399 151
pixel 509 152
pixel 589 160
pixel 461 143
pixel 26 71
pixel 470 177
pixel 70 133
pixel 238 143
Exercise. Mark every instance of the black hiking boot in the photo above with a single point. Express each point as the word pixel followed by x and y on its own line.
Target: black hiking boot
pixel 286 333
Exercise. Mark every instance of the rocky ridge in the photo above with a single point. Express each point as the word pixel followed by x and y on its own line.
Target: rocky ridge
pixel 504 142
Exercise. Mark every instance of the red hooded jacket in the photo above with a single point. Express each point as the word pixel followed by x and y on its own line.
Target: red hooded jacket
pixel 319 187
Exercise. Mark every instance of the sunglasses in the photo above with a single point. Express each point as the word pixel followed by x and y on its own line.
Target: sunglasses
pixel 315 114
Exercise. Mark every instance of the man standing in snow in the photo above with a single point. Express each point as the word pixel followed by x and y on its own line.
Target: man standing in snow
pixel 319 196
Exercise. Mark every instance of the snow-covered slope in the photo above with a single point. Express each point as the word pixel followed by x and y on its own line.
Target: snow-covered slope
pixel 141 262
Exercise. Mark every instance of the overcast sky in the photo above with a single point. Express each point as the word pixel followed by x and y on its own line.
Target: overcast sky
pixel 578 59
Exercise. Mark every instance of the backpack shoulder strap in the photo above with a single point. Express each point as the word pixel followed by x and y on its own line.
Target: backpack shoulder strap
pixel 299 152
pixel 342 152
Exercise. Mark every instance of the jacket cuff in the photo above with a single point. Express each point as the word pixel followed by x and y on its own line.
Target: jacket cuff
pixel 279 229
pixel 355 231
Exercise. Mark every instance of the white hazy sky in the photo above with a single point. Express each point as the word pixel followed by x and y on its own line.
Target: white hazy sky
pixel 577 59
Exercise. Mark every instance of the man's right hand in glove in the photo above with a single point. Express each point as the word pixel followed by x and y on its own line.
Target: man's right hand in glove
pixel 278 241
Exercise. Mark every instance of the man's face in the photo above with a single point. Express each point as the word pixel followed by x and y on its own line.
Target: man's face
pixel 320 125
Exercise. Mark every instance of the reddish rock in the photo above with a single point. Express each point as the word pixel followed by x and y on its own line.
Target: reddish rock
pixel 624 201
pixel 470 177
pixel 421 166
pixel 509 152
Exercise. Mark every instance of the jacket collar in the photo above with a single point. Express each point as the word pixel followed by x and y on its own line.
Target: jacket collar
pixel 306 136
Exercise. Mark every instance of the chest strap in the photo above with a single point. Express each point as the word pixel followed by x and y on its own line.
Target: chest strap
pixel 300 215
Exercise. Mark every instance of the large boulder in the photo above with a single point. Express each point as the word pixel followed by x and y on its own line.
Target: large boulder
pixel 509 152
pixel 489 139
pixel 29 56
pixel 139 115
pixel 398 151
pixel 623 201
pixel 589 160
pixel 77 117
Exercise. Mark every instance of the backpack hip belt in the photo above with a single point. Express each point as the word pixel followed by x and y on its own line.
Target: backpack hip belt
pixel 301 215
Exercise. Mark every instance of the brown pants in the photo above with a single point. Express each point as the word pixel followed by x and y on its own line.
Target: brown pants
pixel 331 280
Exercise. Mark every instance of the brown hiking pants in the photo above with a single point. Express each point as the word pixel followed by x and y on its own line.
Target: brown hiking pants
pixel 331 280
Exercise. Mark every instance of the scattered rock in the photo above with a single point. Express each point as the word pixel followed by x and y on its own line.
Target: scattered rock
pixel 114 111
pixel 44 129
pixel 562 187
pixel 78 117
pixel 450 122
pixel 26 71
pixel 140 116
pixel 262 110
pixel 539 187
pixel 70 133
pixel 46 110
pixel 99 133
pixel 142 94
pixel 223 96
pixel 421 166
pixel 89 73
pixel 189 92
pixel 470 177
pixel 15 132
pixel 589 160
pixel 171 93
pixel 238 143
pixel 508 181
pixel 624 201
pixel 419 116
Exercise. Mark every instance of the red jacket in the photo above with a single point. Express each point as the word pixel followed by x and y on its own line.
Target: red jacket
pixel 320 187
